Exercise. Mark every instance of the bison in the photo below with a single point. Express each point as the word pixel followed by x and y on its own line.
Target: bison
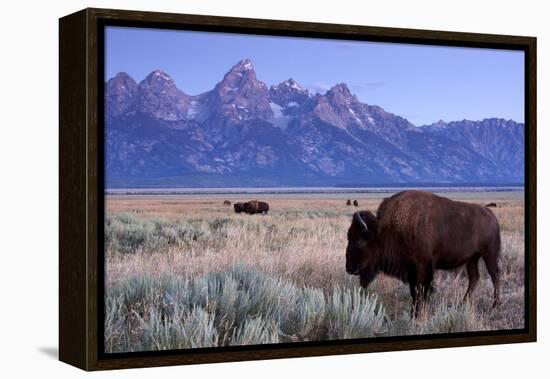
pixel 226 202
pixel 252 207
pixel 348 202
pixel 491 205
pixel 415 233
pixel 355 203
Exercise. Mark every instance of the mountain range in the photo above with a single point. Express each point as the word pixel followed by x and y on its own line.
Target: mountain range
pixel 243 133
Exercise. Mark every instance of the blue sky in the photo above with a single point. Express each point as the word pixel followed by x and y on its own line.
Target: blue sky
pixel 421 83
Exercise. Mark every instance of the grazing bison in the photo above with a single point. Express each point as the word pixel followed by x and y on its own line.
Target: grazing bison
pixel 226 202
pixel 415 233
pixel 255 206
pixel 251 207
pixel 491 205
pixel 239 207
pixel 355 203
pixel 348 202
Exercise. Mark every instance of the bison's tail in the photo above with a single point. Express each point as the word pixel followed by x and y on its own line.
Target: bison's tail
pixel 499 251
pixel 496 248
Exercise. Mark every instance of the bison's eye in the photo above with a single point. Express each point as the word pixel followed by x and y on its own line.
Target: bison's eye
pixel 360 243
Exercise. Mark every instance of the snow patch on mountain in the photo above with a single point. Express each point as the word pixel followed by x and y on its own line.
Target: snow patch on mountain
pixel 279 118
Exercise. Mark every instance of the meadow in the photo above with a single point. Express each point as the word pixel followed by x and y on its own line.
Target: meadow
pixel 187 272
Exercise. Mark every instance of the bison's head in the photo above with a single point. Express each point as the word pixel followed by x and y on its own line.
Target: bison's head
pixel 362 247
pixel 239 207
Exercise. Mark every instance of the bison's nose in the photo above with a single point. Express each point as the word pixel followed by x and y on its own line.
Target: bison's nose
pixel 352 271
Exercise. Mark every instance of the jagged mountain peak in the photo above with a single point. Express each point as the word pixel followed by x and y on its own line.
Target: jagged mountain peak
pixel 339 107
pixel 340 89
pixel 158 78
pixel 288 93
pixel 238 98
pixel 121 83
pixel 243 68
pixel 243 64
pixel 240 79
pixel 159 97
pixel 340 97
pixel 291 85
pixel 122 76
pixel 120 93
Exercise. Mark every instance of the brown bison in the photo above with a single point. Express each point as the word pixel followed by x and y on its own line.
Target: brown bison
pixel 355 203
pixel 491 205
pixel 348 202
pixel 416 233
pixel 226 202
pixel 252 207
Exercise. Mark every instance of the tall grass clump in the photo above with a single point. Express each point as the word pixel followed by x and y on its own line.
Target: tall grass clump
pixel 352 313
pixel 185 328
pixel 255 331
pixel 236 307
pixel 455 317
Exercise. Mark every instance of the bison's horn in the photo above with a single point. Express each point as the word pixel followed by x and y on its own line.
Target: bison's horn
pixel 357 217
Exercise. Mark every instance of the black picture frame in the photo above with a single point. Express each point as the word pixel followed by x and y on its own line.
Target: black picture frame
pixel 81 41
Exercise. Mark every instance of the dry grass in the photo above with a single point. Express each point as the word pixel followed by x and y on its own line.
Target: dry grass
pixel 300 244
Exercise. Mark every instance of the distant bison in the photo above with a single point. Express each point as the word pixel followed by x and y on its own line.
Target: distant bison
pixel 415 233
pixel 251 207
pixel 348 202
pixel 355 203
pixel 491 205
pixel 226 202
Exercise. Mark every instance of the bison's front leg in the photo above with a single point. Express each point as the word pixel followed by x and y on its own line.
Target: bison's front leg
pixel 420 285
pixel 416 295
pixel 427 285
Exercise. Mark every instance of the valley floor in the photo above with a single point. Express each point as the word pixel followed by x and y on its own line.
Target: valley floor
pixel 186 272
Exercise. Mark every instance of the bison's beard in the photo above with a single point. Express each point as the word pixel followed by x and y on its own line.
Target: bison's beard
pixel 366 276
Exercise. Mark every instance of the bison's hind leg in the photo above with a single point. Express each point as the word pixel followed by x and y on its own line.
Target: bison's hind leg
pixel 473 275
